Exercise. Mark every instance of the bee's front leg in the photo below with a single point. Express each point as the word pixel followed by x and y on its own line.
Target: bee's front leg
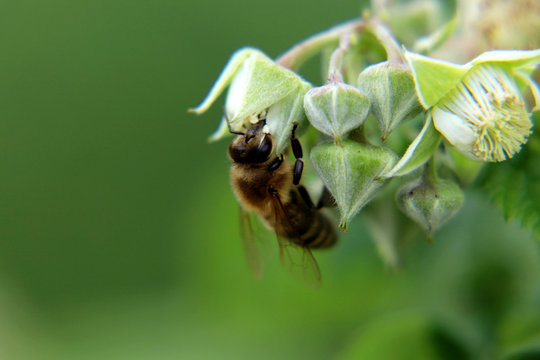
pixel 298 154
pixel 276 163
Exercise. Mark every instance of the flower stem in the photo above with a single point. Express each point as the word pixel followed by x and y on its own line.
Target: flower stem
pixel 430 171
pixel 385 38
pixel 300 53
pixel 336 60
pixel 296 56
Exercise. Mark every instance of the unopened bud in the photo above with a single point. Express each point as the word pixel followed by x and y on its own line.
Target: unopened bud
pixel 430 203
pixel 390 87
pixel 335 109
pixel 352 172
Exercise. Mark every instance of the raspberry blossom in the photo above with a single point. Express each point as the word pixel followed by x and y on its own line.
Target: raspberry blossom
pixel 478 107
pixel 258 84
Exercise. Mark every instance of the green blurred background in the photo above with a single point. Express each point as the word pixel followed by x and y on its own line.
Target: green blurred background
pixel 119 236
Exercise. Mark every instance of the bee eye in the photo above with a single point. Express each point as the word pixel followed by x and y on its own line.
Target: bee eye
pixel 252 153
pixel 237 152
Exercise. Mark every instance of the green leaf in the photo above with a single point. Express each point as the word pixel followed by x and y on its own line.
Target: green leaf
pixel 514 186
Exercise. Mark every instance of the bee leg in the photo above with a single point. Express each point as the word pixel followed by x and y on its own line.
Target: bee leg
pixel 305 196
pixel 298 169
pixel 326 199
pixel 298 154
pixel 276 163
pixel 229 124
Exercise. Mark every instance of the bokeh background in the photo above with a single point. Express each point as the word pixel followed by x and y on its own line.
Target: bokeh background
pixel 118 228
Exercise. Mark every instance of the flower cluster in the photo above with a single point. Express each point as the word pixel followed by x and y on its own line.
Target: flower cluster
pixel 478 106
pixel 478 109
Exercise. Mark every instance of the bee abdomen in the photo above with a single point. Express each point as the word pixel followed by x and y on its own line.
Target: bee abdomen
pixel 321 233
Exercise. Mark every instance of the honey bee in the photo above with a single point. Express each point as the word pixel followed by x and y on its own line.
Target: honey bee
pixel 269 186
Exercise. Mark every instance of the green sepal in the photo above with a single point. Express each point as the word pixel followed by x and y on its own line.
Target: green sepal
pixel 282 115
pixel 513 58
pixel 524 78
pixel 335 109
pixel 434 78
pixel 259 83
pixel 225 78
pixel 352 173
pixel 390 87
pixel 419 151
pixel 427 44
pixel 255 83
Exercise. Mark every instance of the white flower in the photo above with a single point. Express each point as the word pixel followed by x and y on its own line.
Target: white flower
pixel 484 116
pixel 257 84
pixel 478 106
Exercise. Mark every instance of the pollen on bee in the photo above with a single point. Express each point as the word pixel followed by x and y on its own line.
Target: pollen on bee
pixel 253 119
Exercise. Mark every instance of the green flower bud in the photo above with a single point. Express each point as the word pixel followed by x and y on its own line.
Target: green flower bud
pixel 352 172
pixel 390 88
pixel 258 84
pixel 335 109
pixel 430 203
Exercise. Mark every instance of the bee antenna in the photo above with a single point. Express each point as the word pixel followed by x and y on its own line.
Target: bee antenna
pixel 226 117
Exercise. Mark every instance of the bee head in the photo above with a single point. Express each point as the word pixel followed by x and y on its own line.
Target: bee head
pixel 252 148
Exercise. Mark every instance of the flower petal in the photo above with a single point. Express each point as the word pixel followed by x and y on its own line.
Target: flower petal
pixel 453 128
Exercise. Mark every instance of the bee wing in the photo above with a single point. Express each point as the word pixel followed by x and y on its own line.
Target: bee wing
pixel 256 247
pixel 299 262
pixel 295 258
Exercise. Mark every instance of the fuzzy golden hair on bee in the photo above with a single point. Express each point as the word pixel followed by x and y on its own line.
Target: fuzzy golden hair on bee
pixel 269 186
